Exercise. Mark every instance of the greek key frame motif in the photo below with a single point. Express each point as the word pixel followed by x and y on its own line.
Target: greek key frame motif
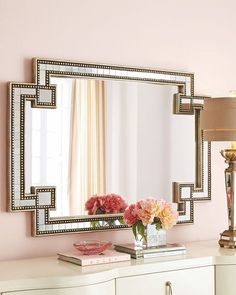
pixel 41 94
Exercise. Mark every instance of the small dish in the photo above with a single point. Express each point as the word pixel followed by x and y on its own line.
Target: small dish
pixel 92 247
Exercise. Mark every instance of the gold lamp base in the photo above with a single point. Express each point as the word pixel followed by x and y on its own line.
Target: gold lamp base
pixel 228 239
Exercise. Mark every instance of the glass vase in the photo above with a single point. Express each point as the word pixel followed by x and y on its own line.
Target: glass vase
pixel 152 237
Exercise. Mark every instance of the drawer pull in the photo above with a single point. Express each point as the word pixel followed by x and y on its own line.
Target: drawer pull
pixel 169 288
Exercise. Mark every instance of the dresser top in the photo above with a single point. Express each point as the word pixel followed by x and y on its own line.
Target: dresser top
pixel 53 273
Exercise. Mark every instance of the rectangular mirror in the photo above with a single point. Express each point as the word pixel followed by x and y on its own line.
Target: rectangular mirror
pixel 83 129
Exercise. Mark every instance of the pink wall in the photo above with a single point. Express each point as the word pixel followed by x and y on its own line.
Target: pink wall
pixel 196 36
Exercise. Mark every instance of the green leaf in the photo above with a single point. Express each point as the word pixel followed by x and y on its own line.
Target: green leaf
pixel 94 223
pixel 141 229
pixel 122 221
pixel 134 229
pixel 100 211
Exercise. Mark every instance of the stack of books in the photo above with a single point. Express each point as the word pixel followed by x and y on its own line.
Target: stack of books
pixel 107 257
pixel 151 252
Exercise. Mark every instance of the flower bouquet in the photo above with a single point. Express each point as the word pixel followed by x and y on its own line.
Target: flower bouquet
pixel 105 204
pixel 146 212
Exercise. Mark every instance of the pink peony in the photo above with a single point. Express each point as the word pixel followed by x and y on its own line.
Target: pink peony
pixel 130 214
pixel 93 204
pixel 147 210
pixel 151 211
pixel 114 204
pixel 105 204
pixel 168 216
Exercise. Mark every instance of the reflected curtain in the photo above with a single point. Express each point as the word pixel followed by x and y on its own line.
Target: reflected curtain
pixel 87 169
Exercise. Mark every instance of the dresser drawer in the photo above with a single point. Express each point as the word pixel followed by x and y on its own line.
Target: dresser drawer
pixel 193 281
pixel 225 279
pixel 107 288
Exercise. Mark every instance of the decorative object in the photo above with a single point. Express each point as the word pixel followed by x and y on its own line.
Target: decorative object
pixel 153 236
pixel 92 247
pixel 42 95
pixel 152 252
pixel 218 121
pixel 105 204
pixel 158 214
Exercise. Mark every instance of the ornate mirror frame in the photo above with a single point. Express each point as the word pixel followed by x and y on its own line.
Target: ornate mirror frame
pixel 43 95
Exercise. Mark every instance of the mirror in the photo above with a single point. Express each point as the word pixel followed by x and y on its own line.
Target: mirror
pixel 87 129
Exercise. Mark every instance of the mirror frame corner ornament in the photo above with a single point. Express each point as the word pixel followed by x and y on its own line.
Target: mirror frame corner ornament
pixel 41 94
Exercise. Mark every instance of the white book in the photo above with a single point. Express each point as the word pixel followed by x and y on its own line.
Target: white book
pixel 107 257
pixel 163 254
pixel 135 250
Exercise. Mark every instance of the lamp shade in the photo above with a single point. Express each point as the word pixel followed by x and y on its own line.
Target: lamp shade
pixel 218 119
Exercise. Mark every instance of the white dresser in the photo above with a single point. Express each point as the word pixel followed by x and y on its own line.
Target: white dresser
pixel 206 270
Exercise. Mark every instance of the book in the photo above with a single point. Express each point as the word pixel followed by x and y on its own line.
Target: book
pixel 107 257
pixel 159 254
pixel 140 252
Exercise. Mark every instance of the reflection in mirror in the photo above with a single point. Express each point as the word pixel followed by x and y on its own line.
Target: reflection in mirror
pixel 108 136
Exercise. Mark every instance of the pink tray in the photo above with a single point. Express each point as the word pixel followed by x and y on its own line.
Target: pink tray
pixel 92 247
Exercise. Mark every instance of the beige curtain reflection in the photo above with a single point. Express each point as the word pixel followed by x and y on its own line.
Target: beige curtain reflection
pixel 87 169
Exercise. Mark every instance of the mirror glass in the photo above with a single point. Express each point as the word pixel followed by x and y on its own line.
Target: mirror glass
pixel 108 136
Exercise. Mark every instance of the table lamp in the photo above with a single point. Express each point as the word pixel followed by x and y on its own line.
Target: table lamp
pixel 218 122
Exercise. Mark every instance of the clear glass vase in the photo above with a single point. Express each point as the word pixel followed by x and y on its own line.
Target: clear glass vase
pixel 152 237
